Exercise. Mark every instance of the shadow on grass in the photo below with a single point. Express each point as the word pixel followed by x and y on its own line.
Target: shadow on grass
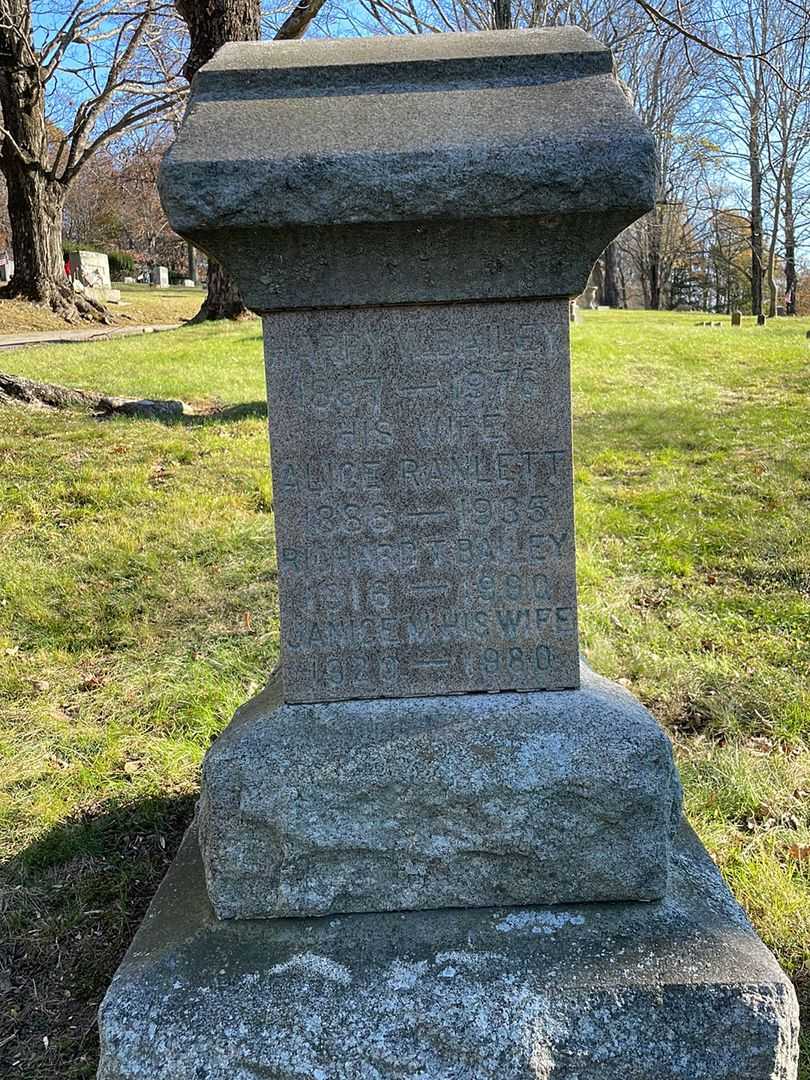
pixel 69 906
pixel 248 410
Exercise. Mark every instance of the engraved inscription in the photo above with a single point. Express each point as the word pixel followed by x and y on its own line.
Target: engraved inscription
pixel 423 495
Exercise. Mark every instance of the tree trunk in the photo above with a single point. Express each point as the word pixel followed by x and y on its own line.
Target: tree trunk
pixel 623 280
pixel 223 300
pixel 755 172
pixel 777 206
pixel 791 280
pixel 611 293
pixel 211 23
pixel 35 198
pixel 653 229
pixel 14 389
pixel 772 287
pixel 35 208
pixel 192 261
pixel 655 285
pixel 502 14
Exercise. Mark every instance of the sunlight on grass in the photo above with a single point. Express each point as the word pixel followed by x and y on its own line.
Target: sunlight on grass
pixel 139 605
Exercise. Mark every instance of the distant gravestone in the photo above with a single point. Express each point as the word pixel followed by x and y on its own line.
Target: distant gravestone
pixel 129 280
pixel 588 298
pixel 160 276
pixel 761 320
pixel 92 269
pixel 188 283
pixel 430 763
pixel 736 318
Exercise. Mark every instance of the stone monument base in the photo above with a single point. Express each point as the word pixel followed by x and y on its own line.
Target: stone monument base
pixel 678 989
pixel 468 800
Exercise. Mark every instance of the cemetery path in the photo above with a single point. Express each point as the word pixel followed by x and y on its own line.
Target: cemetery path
pixel 62 337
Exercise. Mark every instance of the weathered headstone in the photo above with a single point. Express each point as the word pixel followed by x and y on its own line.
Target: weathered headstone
pixel 425 530
pixel 159 276
pixel 587 298
pixel 92 269
pixel 426 743
pixel 736 317
pixel 762 320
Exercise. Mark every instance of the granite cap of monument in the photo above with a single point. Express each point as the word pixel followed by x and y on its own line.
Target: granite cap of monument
pixel 384 151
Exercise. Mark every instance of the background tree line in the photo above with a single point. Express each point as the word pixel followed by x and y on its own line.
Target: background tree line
pixel 91 92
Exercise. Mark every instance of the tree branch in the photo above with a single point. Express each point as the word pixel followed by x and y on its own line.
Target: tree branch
pixel 657 15
pixel 297 22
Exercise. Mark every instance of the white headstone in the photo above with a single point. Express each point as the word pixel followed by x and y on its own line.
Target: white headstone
pixel 92 269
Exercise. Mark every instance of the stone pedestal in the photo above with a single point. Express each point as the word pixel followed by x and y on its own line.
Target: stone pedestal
pixel 411 218
pixel 678 989
pixel 463 801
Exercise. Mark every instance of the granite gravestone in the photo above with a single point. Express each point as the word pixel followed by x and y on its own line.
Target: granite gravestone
pixel 425 743
pixel 159 276
pixel 421 448
pixel 93 269
pixel 424 499
pixel 736 318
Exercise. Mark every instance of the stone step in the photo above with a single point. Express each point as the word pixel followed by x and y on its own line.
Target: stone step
pixel 678 989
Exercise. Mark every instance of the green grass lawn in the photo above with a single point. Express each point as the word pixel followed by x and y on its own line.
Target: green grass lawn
pixel 138 609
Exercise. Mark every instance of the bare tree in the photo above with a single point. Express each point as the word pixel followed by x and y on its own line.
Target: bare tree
pixel 786 140
pixel 756 81
pixel 64 93
pixel 211 23
pixel 659 75
pixel 608 20
pixel 664 81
